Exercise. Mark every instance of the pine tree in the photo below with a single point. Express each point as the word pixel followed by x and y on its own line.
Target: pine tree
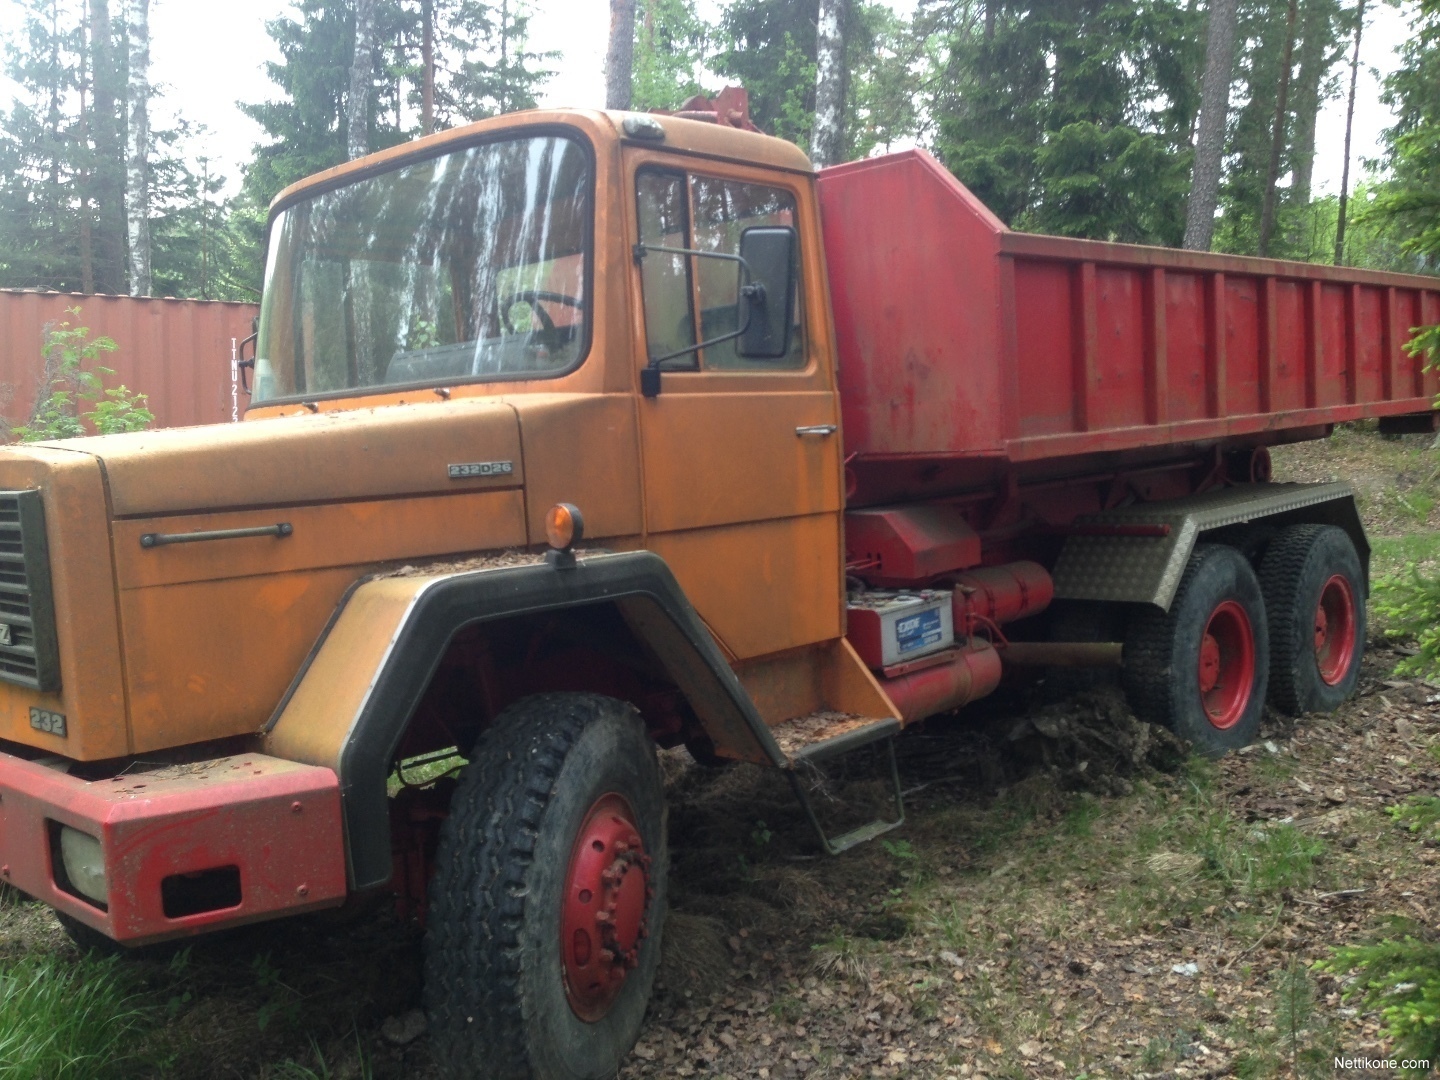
pixel 1074 117
pixel 620 55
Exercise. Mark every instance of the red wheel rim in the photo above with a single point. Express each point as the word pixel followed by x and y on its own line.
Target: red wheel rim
pixel 604 913
pixel 1335 630
pixel 1227 665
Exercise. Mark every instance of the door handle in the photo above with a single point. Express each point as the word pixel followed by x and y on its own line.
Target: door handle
pixel 816 429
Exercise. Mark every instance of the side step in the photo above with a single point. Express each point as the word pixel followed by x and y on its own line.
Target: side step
pixel 809 740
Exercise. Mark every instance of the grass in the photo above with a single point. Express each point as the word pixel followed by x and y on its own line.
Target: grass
pixel 1390 554
pixel 68 1020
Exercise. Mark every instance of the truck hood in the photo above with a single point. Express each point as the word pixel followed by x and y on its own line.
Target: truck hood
pixel 299 460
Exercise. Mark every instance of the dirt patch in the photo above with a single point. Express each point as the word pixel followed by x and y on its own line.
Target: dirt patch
pixel 1022 925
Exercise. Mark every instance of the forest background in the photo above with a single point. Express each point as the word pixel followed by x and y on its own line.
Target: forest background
pixel 1077 117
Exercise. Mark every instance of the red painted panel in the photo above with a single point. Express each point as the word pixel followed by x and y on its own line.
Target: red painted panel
pixel 1189 340
pixel 1242 345
pixel 959 338
pixel 915 288
pixel 277 821
pixel 1407 305
pixel 1044 341
pixel 1119 390
pixel 1369 337
pixel 1330 388
pixel 176 351
pixel 1289 389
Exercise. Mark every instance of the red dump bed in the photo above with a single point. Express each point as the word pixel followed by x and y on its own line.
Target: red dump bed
pixel 960 338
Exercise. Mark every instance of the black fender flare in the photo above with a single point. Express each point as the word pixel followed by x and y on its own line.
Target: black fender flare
pixel 639 583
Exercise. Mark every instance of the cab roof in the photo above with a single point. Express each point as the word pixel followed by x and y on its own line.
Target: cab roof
pixel 681 134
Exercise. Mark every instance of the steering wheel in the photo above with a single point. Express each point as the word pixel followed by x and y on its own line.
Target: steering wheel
pixel 534 297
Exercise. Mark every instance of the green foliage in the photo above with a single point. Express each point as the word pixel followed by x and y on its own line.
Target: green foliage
pixel 1073 117
pixel 670 42
pixel 61 168
pixel 73 375
pixel 1115 183
pixel 1409 602
pixel 1399 978
pixel 768 47
pixel 483 67
pixel 1410 201
pixel 66 1019
pixel 1322 32
pixel 1418 814
pixel 900 849
pixel 1413 145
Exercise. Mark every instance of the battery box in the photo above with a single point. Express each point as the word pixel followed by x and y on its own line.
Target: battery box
pixel 887 627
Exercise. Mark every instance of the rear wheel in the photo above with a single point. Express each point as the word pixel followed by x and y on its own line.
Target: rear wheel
pixel 548 896
pixel 1315 599
pixel 1200 669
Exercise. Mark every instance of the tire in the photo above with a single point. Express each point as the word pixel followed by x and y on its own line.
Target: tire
pixel 1315 597
pixel 554 775
pixel 1201 668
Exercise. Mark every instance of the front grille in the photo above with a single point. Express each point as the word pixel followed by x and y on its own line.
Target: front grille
pixel 27 609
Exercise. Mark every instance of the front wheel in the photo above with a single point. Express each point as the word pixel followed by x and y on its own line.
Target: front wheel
pixel 548 895
pixel 1201 668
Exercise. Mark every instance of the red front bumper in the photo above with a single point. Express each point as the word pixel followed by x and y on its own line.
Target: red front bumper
pixel 185 848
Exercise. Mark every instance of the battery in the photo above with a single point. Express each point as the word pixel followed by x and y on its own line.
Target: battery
pixel 889 627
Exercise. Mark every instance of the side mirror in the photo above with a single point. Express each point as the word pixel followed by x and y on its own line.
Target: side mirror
pixel 766 308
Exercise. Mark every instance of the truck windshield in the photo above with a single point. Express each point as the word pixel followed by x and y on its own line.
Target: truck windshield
pixel 467 266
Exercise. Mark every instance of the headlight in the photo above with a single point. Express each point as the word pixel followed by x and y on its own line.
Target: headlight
pixel 84 864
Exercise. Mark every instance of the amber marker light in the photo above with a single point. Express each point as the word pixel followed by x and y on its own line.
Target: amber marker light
pixel 564 526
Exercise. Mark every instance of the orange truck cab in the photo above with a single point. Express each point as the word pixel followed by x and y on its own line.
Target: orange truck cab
pixel 568 441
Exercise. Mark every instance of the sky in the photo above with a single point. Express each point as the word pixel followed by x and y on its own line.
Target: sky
pixel 207 56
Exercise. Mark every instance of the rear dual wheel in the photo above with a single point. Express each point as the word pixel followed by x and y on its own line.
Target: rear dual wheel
pixel 1201 669
pixel 1315 593
pixel 548 895
pixel 1294 632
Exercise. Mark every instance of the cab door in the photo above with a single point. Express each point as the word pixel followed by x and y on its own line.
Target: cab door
pixel 741 457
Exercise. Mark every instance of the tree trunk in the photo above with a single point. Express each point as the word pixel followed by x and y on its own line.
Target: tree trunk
pixel 1349 124
pixel 86 173
pixel 427 66
pixel 1210 139
pixel 1277 135
pixel 109 173
pixel 137 170
pixel 620 57
pixel 1315 61
pixel 362 73
pixel 990 6
pixel 827 139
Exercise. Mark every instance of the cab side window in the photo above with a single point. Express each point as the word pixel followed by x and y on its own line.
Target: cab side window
pixel 704 214
pixel 664 278
pixel 723 210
